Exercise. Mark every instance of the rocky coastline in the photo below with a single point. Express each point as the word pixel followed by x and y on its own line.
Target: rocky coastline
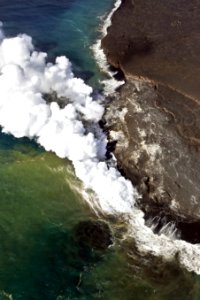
pixel 154 117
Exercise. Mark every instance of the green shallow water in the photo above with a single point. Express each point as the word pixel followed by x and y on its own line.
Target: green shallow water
pixel 40 255
pixel 38 209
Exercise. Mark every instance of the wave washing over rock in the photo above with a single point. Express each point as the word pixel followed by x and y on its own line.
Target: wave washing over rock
pixel 25 81
pixel 110 84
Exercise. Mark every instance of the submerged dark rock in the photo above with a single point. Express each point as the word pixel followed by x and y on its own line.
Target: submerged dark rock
pixel 156 115
pixel 95 234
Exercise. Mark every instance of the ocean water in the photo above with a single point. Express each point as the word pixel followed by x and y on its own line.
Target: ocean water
pixel 41 255
pixel 64 27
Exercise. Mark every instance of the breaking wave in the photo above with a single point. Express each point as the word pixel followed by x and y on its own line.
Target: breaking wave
pixel 110 84
pixel 72 131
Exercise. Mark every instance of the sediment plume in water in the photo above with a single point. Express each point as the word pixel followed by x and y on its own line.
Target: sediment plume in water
pixel 25 77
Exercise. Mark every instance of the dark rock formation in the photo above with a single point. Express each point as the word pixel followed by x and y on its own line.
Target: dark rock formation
pixel 95 234
pixel 155 117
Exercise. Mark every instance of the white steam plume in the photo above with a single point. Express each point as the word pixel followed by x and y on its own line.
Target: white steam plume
pixel 25 78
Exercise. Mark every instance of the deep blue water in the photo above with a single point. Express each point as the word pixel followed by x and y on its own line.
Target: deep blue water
pixel 64 27
pixel 67 27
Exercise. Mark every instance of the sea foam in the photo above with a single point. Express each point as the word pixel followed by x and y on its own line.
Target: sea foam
pixel 110 84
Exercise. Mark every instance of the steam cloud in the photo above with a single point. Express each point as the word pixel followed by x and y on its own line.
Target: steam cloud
pixel 25 79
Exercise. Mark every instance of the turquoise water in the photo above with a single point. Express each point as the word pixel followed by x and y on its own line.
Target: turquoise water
pixel 67 27
pixel 41 255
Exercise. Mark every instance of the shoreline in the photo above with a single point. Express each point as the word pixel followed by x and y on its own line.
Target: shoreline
pixel 110 84
pixel 157 41
pixel 153 150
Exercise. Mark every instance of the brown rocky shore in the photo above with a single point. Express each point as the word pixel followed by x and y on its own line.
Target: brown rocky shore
pixel 155 116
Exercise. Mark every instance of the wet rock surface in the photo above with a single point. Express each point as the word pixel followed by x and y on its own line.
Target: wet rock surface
pixel 155 117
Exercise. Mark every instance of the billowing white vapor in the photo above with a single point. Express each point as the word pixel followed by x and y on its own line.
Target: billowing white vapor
pixel 25 78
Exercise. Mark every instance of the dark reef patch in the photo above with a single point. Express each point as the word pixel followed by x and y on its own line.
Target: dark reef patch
pixel 94 234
